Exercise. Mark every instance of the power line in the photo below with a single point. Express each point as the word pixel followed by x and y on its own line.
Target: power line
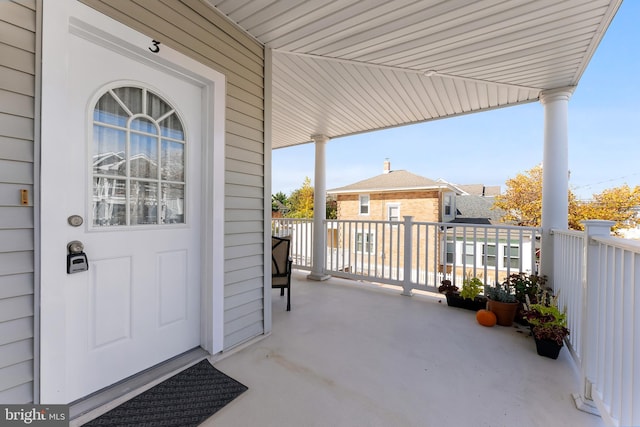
pixel 608 180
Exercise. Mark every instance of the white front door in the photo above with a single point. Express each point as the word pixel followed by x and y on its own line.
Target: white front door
pixel 123 151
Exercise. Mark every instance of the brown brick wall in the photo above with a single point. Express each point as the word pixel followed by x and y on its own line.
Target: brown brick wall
pixel 424 206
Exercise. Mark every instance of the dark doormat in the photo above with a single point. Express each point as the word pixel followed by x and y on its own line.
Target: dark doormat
pixel 186 399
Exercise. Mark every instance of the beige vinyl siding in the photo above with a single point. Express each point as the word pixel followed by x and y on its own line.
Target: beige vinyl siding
pixel 17 112
pixel 195 29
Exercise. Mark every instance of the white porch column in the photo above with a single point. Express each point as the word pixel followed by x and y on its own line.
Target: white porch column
pixel 319 210
pixel 555 172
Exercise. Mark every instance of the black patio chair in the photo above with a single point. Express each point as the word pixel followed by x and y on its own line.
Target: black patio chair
pixel 281 266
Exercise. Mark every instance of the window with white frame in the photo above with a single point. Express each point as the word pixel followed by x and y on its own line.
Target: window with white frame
pixel 393 211
pixel 364 204
pixel 470 253
pixel 511 256
pixel 454 251
pixel 489 254
pixel 447 204
pixel 365 242
pixel 451 251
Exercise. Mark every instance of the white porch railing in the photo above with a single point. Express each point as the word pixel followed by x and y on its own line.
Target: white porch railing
pixel 568 280
pixel 598 277
pixel 419 255
pixel 301 233
pixel 414 254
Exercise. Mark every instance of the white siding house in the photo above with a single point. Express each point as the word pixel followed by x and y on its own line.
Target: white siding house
pixel 196 31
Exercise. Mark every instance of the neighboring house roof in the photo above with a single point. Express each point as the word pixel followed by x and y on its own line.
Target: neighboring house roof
pixel 476 210
pixel 474 189
pixel 400 180
pixel 480 190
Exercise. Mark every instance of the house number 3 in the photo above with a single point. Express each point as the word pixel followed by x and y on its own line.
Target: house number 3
pixel 155 48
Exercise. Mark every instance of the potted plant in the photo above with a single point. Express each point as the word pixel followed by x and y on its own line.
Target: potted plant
pixel 446 287
pixel 549 339
pixel 468 297
pixel 502 302
pixel 548 326
pixel 525 286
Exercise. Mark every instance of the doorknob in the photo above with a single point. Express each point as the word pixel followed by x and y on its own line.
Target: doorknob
pixel 75 247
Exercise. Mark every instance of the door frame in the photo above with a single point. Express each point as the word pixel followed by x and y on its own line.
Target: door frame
pixel 60 19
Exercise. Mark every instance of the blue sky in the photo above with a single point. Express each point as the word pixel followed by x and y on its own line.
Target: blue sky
pixel 493 146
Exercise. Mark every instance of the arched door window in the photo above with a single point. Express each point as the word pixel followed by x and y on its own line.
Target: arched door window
pixel 138 160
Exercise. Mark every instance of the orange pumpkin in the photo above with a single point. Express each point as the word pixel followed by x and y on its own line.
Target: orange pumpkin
pixel 486 318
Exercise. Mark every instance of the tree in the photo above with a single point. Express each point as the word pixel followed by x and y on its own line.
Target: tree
pixel 617 204
pixel 522 203
pixel 279 202
pixel 332 208
pixel 301 201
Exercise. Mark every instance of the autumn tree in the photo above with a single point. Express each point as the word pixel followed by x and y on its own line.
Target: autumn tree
pixel 301 201
pixel 617 204
pixel 522 203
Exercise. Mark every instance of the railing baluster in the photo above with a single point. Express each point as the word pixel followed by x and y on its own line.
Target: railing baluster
pixel 368 251
pixel 397 248
pixel 434 252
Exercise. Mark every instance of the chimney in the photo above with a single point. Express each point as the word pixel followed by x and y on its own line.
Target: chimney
pixel 386 166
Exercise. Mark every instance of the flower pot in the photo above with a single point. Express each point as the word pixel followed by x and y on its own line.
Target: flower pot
pixel 505 311
pixel 548 348
pixel 455 300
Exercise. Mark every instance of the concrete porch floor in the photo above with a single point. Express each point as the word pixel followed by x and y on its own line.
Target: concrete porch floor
pixel 354 354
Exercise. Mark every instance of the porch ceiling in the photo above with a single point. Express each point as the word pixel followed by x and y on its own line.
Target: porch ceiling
pixel 343 67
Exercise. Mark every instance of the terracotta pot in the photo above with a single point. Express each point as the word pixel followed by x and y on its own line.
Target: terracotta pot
pixel 505 311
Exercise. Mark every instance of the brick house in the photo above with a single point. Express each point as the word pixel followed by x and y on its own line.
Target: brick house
pixel 365 241
pixel 389 196
pixel 394 194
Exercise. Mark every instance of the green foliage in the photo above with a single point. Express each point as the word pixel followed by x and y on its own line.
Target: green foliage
pixel 300 203
pixel 525 285
pixel 546 319
pixel 332 208
pixel 501 293
pixel 471 287
pixel 539 314
pixel 279 201
pixel 545 310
